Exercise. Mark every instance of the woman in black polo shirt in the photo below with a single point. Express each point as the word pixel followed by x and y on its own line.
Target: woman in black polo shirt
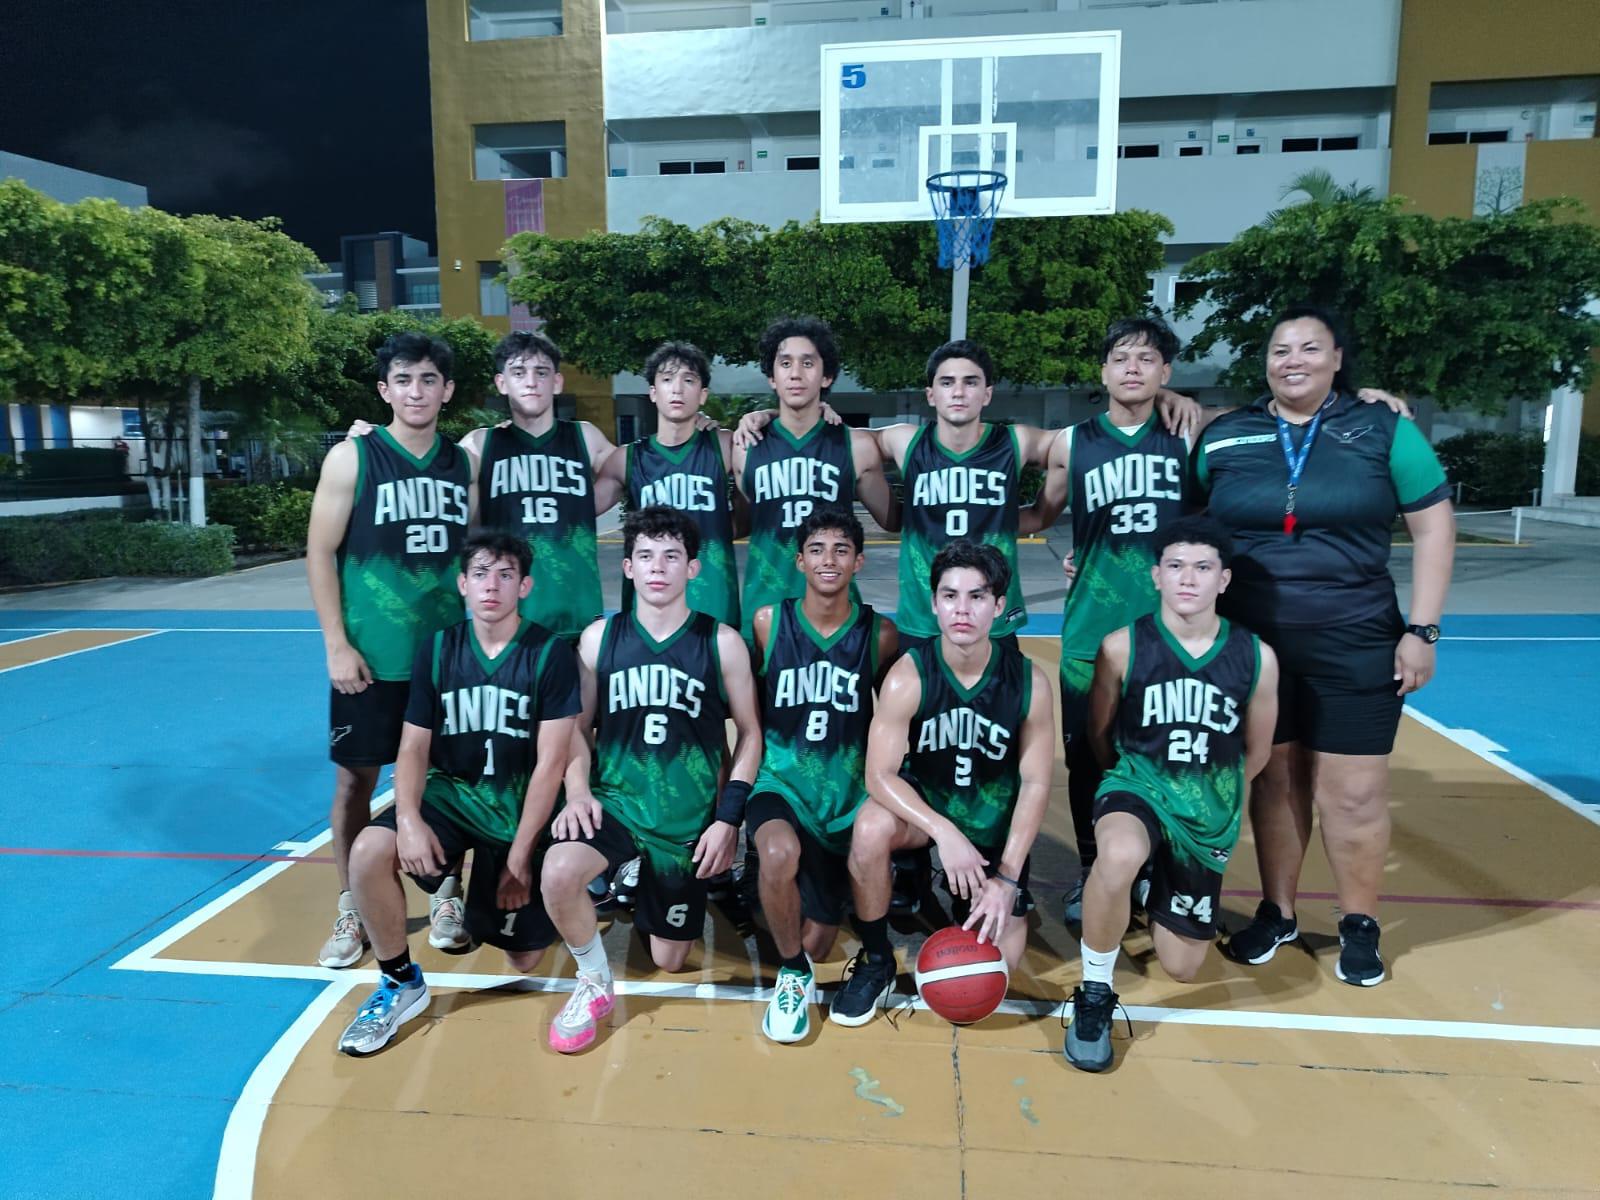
pixel 1310 481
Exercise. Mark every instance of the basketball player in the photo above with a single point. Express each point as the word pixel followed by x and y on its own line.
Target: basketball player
pixel 487 733
pixel 1181 713
pixel 821 657
pixel 685 466
pixel 541 477
pixel 388 519
pixel 1123 473
pixel 659 683
pixel 959 756
pixel 804 464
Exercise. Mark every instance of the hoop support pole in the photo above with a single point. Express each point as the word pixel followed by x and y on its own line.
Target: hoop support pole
pixel 959 279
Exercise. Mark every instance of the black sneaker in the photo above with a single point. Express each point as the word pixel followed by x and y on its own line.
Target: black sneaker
pixel 1359 963
pixel 1072 908
pixel 1258 941
pixel 911 871
pixel 1088 1041
pixel 625 884
pixel 867 981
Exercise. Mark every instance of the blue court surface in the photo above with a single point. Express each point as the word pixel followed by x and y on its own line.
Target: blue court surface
pixel 147 777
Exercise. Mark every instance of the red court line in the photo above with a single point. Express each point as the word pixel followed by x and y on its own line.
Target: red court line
pixel 46 852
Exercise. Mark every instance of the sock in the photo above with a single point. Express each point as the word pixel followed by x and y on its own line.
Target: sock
pixel 1098 965
pixel 874 936
pixel 799 962
pixel 397 968
pixel 591 959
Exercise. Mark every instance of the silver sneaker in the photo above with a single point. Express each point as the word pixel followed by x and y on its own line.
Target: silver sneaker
pixel 447 928
pixel 380 1018
pixel 348 941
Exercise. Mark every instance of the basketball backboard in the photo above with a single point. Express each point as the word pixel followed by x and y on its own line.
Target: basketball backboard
pixel 1040 107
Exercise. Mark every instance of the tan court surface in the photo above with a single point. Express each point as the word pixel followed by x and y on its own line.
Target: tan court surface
pixel 1304 1096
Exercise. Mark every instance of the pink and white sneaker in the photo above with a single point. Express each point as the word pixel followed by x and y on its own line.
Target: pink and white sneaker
pixel 576 1025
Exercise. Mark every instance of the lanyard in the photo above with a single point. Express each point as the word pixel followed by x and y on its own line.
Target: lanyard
pixel 1296 460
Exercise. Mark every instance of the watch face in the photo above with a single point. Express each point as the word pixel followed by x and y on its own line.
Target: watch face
pixel 1428 633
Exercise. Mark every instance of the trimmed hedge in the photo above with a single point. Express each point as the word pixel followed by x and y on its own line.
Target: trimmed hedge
pixel 54 549
pixel 267 516
pixel 1502 469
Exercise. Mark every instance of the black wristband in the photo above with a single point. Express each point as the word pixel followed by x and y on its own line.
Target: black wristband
pixel 1007 879
pixel 730 808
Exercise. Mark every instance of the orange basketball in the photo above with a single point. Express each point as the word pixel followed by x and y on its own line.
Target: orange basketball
pixel 960 978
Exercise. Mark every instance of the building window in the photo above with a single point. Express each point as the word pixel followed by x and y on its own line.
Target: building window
pixel 1478 136
pixel 713 167
pixel 492 298
pixel 802 162
pixel 1092 152
pixel 1140 150
pixel 1186 291
pixel 1194 151
pixel 1449 138
pixel 1299 145
pixel 1247 148
pixel 1345 142
pixel 526 150
pixel 685 166
pixel 497 20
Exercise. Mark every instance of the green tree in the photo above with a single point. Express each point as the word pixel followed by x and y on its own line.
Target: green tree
pixel 1041 304
pixel 1318 186
pixel 1469 312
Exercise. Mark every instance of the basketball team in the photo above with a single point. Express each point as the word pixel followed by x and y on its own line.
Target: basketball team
pixel 1231 637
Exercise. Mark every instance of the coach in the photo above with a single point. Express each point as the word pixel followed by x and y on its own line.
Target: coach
pixel 1310 481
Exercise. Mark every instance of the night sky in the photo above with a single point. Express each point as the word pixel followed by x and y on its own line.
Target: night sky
pixel 313 111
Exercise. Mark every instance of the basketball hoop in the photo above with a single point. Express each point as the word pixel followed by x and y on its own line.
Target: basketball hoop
pixel 965 204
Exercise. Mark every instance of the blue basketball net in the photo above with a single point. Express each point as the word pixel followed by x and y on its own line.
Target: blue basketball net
pixel 965 204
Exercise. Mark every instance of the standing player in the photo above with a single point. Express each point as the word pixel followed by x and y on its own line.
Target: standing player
pixel 1123 473
pixel 1181 712
pixel 487 732
pixel 958 757
pixel 539 477
pixel 659 683
pixel 389 517
pixel 804 464
pixel 686 467
pixel 821 657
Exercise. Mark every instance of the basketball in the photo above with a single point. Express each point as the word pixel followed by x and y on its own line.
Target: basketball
pixel 960 978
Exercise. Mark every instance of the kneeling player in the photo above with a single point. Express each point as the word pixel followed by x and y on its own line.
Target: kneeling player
pixel 959 756
pixel 821 658
pixel 659 683
pixel 1181 713
pixel 487 732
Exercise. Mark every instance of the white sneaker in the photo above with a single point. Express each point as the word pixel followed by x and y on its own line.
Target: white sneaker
pixel 391 1006
pixel 577 1024
pixel 788 1016
pixel 625 884
pixel 447 918
pixel 348 941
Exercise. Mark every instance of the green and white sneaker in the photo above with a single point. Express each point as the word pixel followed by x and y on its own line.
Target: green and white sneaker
pixel 788 1016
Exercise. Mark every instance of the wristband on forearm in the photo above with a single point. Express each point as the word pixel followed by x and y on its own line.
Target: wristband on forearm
pixel 730 808
pixel 1008 880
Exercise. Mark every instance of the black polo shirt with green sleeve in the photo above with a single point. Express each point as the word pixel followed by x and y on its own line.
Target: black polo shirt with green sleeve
pixel 1366 467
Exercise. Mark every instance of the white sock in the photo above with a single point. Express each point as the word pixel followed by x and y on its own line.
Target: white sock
pixel 591 959
pixel 1098 965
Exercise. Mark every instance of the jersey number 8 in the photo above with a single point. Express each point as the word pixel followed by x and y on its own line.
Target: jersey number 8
pixel 817 725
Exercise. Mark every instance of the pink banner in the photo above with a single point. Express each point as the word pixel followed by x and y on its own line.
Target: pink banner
pixel 524 201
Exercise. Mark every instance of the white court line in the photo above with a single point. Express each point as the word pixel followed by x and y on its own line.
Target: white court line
pixel 1475 743
pixel 1459 638
pixel 1482 1031
pixel 143 958
pixel 241 1137
pixel 146 633
pixel 129 628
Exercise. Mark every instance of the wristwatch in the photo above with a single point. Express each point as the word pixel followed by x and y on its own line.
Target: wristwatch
pixel 1428 633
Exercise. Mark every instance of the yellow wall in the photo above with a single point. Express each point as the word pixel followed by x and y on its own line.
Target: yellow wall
pixel 524 79
pixel 1458 41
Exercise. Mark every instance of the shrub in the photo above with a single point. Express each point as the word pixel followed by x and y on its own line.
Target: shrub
pixel 53 549
pixel 283 527
pixel 1502 469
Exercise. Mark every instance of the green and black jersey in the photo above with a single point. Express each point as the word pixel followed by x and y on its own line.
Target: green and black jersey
pixel 970 495
pixel 398 560
pixel 660 733
pixel 816 710
pixel 1367 466
pixel 1180 734
pixel 785 479
pixel 693 479
pixel 485 713
pixel 543 489
pixel 965 752
pixel 1123 486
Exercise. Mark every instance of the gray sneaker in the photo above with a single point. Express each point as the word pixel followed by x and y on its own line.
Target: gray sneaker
pixel 348 941
pixel 447 928
pixel 1088 1041
pixel 391 1006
